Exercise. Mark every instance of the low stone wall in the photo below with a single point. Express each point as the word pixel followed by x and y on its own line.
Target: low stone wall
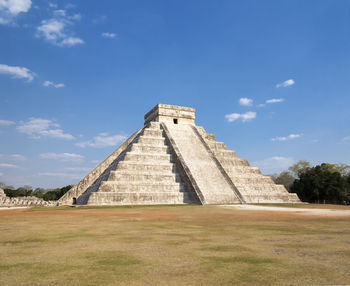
pixel 23 201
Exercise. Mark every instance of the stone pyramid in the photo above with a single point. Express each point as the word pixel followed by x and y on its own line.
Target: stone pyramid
pixel 170 160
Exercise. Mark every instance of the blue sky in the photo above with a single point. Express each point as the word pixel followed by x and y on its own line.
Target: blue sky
pixel 269 78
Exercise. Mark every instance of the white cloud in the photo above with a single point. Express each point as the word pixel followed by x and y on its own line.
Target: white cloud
pixel 9 9
pixel 77 169
pixel 243 116
pixel 57 29
pixel 1 174
pixel 18 157
pixel 36 127
pixel 61 175
pixel 108 35
pixel 103 140
pixel 274 165
pixel 17 72
pixel 286 83
pixel 52 5
pixel 71 41
pixel 6 122
pixel 13 157
pixel 47 83
pixel 274 100
pixel 50 83
pixel 95 161
pixel 345 140
pixel 289 137
pixel 245 101
pixel 71 157
pixel 5 165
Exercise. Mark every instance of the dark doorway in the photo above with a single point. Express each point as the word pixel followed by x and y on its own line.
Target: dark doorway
pixel 175 120
pixel 74 201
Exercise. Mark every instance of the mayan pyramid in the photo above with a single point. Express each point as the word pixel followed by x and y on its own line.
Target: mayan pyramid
pixel 170 160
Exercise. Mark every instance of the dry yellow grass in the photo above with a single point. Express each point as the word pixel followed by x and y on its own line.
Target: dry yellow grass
pixel 171 245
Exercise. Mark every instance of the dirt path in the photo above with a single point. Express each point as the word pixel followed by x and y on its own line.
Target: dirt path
pixel 303 211
pixel 11 208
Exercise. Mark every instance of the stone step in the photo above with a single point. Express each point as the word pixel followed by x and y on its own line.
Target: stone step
pixel 261 188
pixel 230 162
pixel 225 154
pixel 154 141
pixel 251 180
pixel 269 199
pixel 153 132
pixel 236 170
pixel 139 186
pixel 141 166
pixel 216 145
pixel 126 198
pixel 140 148
pixel 148 177
pixel 148 157
pixel 153 125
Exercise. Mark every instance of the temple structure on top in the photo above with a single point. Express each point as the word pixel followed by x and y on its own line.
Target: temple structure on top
pixel 170 160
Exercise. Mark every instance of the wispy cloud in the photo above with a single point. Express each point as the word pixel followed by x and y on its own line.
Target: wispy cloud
pixel 274 165
pixel 6 165
pixel 244 101
pixel 103 140
pixel 270 101
pixel 286 83
pixel 274 100
pixel 60 175
pixel 285 138
pixel 66 157
pixel 6 122
pixel 345 140
pixel 108 35
pixel 12 157
pixel 37 127
pixel 17 72
pixel 99 19
pixel 57 29
pixel 50 83
pixel 78 169
pixel 9 9
pixel 244 117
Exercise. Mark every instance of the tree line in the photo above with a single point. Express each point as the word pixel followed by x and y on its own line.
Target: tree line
pixel 25 191
pixel 325 183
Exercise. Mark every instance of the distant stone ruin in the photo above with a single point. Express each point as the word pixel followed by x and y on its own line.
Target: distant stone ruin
pixel 170 160
pixel 22 201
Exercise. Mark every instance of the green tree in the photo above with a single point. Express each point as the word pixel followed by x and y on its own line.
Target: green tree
pixel 299 167
pixel 320 184
pixel 286 179
pixel 54 195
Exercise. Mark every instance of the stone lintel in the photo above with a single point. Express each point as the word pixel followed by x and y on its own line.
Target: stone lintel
pixel 171 113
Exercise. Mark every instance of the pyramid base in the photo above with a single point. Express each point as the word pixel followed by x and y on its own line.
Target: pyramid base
pixel 166 198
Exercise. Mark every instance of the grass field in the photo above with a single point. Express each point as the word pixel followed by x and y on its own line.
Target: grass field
pixel 171 245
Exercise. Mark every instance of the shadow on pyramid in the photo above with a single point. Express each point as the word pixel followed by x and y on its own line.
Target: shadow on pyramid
pixel 170 160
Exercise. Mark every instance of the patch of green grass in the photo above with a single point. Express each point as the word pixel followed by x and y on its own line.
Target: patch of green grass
pixel 214 262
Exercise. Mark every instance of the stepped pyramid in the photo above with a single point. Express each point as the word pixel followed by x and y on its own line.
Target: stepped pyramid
pixel 170 160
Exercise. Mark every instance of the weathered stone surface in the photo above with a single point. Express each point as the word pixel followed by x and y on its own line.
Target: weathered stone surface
pixel 22 201
pixel 172 161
